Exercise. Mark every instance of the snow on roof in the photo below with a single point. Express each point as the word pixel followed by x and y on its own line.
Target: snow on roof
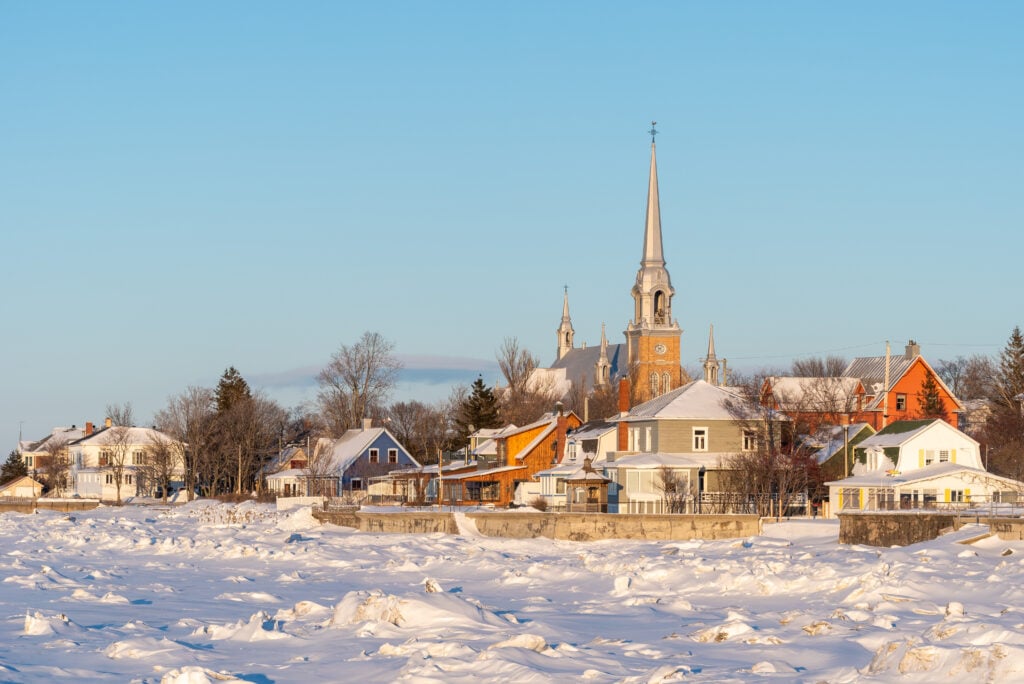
pixel 290 473
pixel 65 434
pixel 697 400
pixel 881 478
pixel 134 435
pixel 350 446
pixel 479 473
pixel 899 433
pixel 592 430
pixel 814 394
pixel 655 460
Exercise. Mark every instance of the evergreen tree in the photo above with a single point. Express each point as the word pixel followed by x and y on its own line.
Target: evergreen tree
pixel 479 410
pixel 1010 375
pixel 231 388
pixel 13 467
pixel 930 400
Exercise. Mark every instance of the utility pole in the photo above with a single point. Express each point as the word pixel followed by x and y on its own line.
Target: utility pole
pixel 885 397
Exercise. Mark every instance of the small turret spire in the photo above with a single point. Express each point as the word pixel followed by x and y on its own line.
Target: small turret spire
pixel 565 332
pixel 711 361
pixel 603 370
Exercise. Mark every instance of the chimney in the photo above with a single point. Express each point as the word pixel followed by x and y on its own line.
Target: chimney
pixel 367 423
pixel 107 423
pixel 561 427
pixel 622 433
pixel 88 429
pixel 913 349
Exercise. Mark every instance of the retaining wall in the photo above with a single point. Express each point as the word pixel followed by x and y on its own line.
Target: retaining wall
pixel 62 505
pixel 569 526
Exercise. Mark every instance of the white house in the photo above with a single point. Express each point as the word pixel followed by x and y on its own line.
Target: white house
pixel 919 464
pixel 96 459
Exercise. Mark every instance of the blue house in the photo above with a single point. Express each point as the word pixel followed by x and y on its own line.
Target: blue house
pixel 359 458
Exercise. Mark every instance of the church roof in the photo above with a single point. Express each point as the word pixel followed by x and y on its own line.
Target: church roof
pixel 697 400
pixel 582 362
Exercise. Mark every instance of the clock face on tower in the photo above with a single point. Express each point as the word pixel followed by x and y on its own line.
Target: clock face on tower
pixel 660 349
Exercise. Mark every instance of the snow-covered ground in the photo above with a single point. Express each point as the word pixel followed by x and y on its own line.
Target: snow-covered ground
pixel 209 592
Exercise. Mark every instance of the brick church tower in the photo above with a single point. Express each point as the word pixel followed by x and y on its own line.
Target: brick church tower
pixel 653 336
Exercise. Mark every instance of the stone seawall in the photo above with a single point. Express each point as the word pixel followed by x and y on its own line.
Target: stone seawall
pixel 568 526
pixel 61 505
pixel 910 527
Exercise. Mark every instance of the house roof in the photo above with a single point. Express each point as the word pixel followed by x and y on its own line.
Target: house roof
pixel 21 481
pixel 871 371
pixel 595 429
pixel 880 478
pixel 655 460
pixel 479 473
pixel 697 400
pixel 814 394
pixel 134 435
pixel 902 431
pixel 351 445
pixel 830 440
pixel 65 434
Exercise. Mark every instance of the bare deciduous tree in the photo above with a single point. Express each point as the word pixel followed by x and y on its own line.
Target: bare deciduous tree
pixel 188 419
pixel 969 377
pixel 674 490
pixel 818 367
pixel 122 415
pixel 117 445
pixel 55 469
pixel 357 381
pixel 163 460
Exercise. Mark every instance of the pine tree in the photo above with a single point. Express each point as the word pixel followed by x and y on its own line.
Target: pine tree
pixel 1010 376
pixel 479 410
pixel 930 400
pixel 231 389
pixel 13 467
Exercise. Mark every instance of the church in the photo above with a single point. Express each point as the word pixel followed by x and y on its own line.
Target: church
pixel 650 356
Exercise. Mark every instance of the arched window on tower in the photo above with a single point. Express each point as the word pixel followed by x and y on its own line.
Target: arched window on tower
pixel 659 308
pixel 654 384
pixel 666 383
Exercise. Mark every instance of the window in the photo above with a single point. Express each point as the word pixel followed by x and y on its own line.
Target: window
pixel 105 457
pixel 749 440
pixel 139 458
pixel 956 495
pixel 700 439
pixel 392 455
pixel 374 456
pixel 110 478
pixel 28 461
pixel 666 383
pixel 559 485
pixel 943 456
pixel 901 402
pixel 654 384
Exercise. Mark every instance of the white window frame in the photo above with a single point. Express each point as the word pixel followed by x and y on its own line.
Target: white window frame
pixel 392 456
pixel 749 440
pixel 700 439
pixel 374 455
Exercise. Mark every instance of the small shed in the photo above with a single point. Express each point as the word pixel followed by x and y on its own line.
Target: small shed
pixel 23 487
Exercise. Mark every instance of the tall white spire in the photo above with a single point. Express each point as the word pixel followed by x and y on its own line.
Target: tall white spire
pixel 653 255
pixel 603 367
pixel 565 332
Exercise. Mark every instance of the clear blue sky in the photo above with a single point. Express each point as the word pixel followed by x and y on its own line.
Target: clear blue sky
pixel 188 186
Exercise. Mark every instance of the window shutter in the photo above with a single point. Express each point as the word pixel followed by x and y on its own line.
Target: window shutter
pixel 863 497
pixel 947 496
pixel 952 456
pixel 920 458
pixel 967 495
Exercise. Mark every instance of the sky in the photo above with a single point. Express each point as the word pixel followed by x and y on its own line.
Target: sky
pixel 190 186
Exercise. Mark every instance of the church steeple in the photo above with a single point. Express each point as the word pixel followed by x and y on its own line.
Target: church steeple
pixel 565 332
pixel 711 361
pixel 603 369
pixel 653 336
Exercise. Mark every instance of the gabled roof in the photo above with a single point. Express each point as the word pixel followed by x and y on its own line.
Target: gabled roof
pixel 829 440
pixel 648 461
pixel 350 446
pixel 595 429
pixel 902 431
pixel 20 481
pixel 871 371
pixel 135 435
pixel 929 472
pixel 697 400
pixel 65 434
pixel 814 394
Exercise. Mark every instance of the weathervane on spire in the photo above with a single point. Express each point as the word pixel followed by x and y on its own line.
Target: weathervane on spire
pixel 653 131
pixel 565 289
